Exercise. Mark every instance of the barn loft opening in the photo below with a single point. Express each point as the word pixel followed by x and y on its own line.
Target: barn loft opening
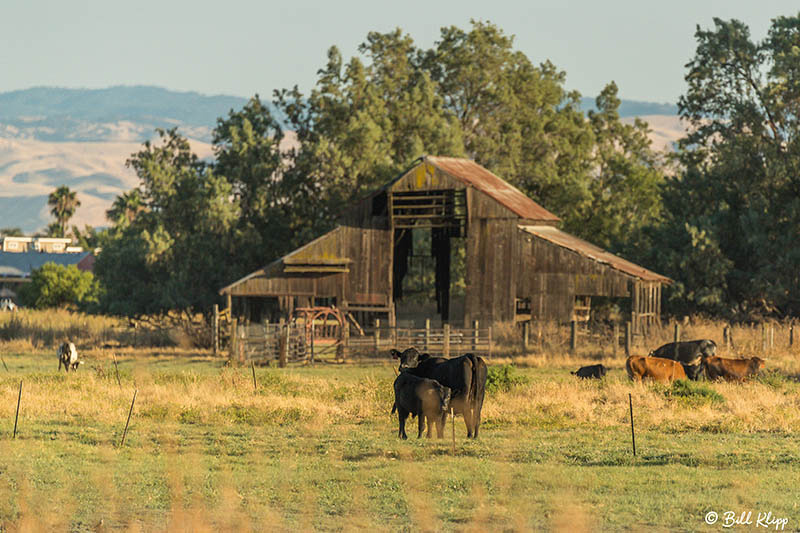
pixel 429 230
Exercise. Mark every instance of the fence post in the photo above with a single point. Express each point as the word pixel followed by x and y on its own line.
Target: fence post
pixel 677 339
pixel 427 334
pixel 345 341
pixel 234 330
pixel 763 338
pixel 377 334
pixel 16 416
pixel 615 343
pixel 771 338
pixel 627 339
pixel 475 336
pixel 526 335
pixel 490 340
pixel 726 333
pixel 791 335
pixel 283 344
pixel 573 336
pixel 446 340
pixel 215 329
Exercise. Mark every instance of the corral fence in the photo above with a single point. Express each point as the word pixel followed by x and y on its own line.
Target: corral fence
pixel 283 343
pixel 620 338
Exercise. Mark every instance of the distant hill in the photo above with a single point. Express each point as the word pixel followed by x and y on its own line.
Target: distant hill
pixel 634 108
pixel 82 137
pixel 113 114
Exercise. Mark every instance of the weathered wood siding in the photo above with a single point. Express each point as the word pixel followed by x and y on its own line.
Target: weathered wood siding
pixel 552 276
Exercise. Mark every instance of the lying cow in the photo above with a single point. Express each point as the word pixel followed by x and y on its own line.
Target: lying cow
pixel 655 368
pixel 68 356
pixel 591 371
pixel 465 376
pixel 690 354
pixel 421 397
pixel 732 369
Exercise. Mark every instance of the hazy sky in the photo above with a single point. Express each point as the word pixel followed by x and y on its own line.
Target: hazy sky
pixel 242 47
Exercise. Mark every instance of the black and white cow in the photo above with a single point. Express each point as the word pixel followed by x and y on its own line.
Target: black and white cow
pixel 68 356
pixel 424 398
pixel 465 376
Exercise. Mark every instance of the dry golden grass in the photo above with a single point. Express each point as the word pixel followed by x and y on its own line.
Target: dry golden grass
pixel 316 448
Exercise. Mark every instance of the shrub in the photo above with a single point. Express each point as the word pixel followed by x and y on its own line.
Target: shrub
pixel 504 378
pixel 55 285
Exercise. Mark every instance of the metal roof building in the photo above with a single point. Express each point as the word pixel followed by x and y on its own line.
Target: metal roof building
pixel 517 264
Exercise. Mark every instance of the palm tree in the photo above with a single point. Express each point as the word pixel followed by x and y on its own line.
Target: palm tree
pixel 125 208
pixel 63 204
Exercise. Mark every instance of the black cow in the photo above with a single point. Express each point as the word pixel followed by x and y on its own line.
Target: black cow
pixel 591 371
pixel 690 355
pixel 464 375
pixel 421 397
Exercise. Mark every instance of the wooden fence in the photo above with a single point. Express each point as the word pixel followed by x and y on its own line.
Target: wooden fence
pixel 446 341
pixel 264 343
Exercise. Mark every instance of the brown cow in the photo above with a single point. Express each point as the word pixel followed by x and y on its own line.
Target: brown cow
pixel 655 368
pixel 732 369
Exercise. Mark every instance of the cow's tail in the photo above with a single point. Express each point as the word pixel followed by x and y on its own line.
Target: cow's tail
pixel 477 390
pixel 394 407
pixel 629 369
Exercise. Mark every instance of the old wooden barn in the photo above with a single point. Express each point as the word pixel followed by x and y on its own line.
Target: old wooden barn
pixel 399 253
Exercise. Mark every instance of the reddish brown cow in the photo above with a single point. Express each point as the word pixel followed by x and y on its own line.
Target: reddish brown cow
pixel 732 369
pixel 655 368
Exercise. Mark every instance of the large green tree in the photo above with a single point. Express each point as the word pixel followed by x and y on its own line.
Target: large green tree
pixel 517 119
pixel 177 250
pixel 734 211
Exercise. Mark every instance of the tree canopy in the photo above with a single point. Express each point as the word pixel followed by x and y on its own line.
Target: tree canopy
pixel 734 209
pixel 193 226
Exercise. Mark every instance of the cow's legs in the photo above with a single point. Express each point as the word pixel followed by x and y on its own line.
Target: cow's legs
pixel 441 422
pixel 476 415
pixel 421 424
pixel 402 414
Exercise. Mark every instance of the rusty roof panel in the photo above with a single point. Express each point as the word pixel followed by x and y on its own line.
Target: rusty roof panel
pixel 506 194
pixel 586 249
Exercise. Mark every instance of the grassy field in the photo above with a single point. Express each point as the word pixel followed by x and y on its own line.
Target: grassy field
pixel 316 449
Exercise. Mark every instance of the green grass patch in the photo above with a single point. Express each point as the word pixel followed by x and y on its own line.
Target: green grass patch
pixel 693 393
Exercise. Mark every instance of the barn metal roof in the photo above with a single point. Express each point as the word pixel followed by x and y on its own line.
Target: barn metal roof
pixel 20 264
pixel 488 183
pixel 589 250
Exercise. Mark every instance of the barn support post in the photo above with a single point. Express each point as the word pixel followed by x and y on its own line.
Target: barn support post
pixel 628 338
pixel 215 329
pixel 377 334
pixel 446 339
pixel 573 336
pixel 490 341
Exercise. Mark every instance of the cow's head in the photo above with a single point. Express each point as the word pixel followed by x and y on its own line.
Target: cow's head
pixel 708 347
pixel 756 363
pixel 409 358
pixel 445 394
